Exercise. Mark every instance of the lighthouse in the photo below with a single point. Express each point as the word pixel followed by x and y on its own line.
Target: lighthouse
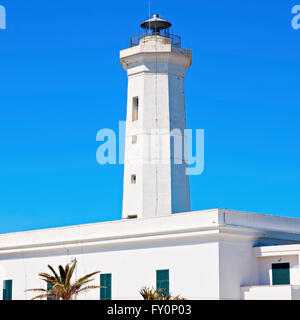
pixel 156 181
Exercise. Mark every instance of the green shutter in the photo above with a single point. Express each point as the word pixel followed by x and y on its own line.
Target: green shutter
pixel 7 290
pixel 280 273
pixel 162 280
pixel 105 281
pixel 49 287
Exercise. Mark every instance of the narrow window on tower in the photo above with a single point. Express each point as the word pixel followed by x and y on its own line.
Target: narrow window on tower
pixel 135 108
pixel 134 139
pixel 133 179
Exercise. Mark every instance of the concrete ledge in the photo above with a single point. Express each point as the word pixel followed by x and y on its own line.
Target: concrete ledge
pixel 280 292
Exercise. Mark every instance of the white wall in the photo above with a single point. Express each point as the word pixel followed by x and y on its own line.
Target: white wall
pixel 193 265
pixel 265 268
pixel 237 266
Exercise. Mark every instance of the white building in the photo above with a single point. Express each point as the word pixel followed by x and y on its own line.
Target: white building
pixel 209 254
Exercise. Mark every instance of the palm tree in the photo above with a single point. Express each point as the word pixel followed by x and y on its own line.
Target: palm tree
pixel 60 286
pixel 157 294
pixel 149 294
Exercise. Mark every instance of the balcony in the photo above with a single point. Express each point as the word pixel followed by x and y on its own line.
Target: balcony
pixel 271 292
pixel 135 40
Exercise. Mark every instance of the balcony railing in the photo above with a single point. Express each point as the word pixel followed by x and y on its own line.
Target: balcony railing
pixel 135 40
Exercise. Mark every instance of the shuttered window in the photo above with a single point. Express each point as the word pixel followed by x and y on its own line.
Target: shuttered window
pixel 135 108
pixel 280 273
pixel 162 280
pixel 105 282
pixel 49 287
pixel 7 290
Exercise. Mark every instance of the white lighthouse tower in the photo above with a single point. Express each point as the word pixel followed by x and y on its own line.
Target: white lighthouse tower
pixel 155 177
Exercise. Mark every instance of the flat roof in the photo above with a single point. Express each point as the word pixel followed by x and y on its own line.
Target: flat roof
pixel 204 222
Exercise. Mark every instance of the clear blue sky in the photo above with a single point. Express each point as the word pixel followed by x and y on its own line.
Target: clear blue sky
pixel 61 82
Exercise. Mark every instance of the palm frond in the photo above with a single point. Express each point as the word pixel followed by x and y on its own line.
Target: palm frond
pixel 81 283
pixel 37 289
pixel 70 272
pixel 62 274
pixel 88 288
pixel 55 274
pixel 41 296
pixel 46 275
pixel 87 276
pixel 67 269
